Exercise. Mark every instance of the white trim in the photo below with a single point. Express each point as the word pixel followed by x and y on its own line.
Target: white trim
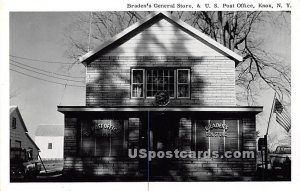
pixel 186 26
pixel 128 109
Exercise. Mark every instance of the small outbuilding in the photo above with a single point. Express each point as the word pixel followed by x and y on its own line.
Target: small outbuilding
pixel 19 137
pixel 50 139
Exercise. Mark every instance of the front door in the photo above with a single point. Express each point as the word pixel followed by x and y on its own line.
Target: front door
pixel 163 137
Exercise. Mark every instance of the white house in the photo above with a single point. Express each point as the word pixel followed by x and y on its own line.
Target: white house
pixel 50 139
pixel 19 137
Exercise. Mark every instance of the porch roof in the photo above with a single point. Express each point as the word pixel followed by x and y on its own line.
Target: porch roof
pixel 219 109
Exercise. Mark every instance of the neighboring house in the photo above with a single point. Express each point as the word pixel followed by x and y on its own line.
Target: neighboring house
pixel 160 85
pixel 50 139
pixel 19 137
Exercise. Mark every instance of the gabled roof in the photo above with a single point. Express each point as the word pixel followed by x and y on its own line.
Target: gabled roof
pixel 15 108
pixel 50 130
pixel 153 18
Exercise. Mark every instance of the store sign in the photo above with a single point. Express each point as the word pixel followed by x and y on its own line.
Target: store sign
pixel 106 128
pixel 216 130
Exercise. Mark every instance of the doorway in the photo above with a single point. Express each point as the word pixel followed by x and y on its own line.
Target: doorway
pixel 163 137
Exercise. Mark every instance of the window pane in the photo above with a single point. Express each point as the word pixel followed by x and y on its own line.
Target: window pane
pixel 160 87
pixel 155 87
pixel 183 90
pixel 199 133
pixel 172 79
pixel 149 79
pixel 183 76
pixel 137 90
pixel 102 146
pixel 166 87
pixel 216 143
pixel 49 145
pixel 149 87
pixel 160 73
pixel 88 146
pixel 14 123
pixel 171 93
pixel 150 93
pixel 137 76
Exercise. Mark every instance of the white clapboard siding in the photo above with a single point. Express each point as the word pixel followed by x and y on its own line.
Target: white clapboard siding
pixel 163 39
pixel 19 134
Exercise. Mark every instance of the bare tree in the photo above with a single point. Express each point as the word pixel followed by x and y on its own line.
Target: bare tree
pixel 237 31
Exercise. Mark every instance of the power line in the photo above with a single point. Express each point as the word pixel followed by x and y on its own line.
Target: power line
pixel 45 79
pixel 59 74
pixel 37 60
pixel 45 74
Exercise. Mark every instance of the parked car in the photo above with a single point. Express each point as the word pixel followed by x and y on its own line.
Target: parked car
pixel 22 164
pixel 281 158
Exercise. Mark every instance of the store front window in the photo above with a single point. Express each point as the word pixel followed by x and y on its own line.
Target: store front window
pixel 103 138
pixel 216 135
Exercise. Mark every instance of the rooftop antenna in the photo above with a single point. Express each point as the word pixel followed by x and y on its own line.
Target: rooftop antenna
pixel 91 20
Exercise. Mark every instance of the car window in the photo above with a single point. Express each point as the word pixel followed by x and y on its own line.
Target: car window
pixel 283 150
pixel 287 150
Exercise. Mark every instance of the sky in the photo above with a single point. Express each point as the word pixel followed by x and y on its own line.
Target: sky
pixel 42 36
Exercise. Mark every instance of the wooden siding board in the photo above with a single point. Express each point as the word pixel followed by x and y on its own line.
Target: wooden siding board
pixel 19 134
pixel 210 85
pixel 163 39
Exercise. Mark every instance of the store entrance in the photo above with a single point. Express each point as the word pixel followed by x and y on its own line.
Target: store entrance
pixel 163 130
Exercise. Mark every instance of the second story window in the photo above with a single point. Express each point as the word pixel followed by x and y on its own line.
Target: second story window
pixel 14 123
pixel 160 80
pixel 145 83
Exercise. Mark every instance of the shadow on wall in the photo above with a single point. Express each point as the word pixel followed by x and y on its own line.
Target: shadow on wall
pixel 109 76
pixel 108 84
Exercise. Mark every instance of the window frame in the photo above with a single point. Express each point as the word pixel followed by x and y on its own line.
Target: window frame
pixel 50 144
pixel 175 69
pixel 131 83
pixel 188 83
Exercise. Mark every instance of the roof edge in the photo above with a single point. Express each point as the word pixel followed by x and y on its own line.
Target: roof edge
pixel 21 118
pixel 244 109
pixel 83 59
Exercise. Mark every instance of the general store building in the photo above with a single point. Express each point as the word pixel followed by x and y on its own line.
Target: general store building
pixel 159 56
